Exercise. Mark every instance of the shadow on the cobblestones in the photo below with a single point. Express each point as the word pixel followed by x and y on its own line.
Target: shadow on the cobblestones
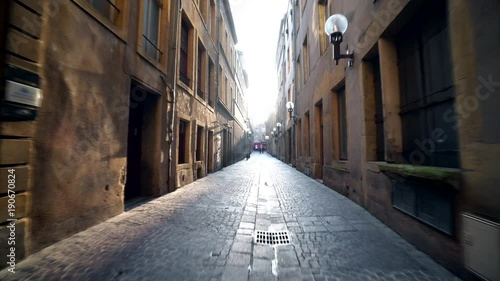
pixel 137 202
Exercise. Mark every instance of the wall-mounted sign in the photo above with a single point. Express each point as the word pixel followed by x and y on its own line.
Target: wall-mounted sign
pixel 22 94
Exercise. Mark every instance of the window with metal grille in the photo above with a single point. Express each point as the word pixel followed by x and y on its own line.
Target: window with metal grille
pixel 427 90
pixel 108 8
pixel 151 28
pixel 184 54
pixel 342 114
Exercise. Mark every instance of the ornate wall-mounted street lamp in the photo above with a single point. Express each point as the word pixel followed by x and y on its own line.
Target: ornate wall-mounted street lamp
pixel 278 125
pixel 335 27
pixel 290 106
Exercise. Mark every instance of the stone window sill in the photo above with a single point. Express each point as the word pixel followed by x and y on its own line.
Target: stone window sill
pixel 339 165
pixel 150 60
pixel 184 166
pixel 186 88
pixel 449 175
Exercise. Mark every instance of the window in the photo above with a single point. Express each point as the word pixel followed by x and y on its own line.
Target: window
pixel 379 110
pixel 322 17
pixel 427 91
pixel 184 54
pixel 151 29
pixel 213 20
pixel 226 42
pixel 283 72
pixel 299 137
pixel 297 16
pixel 200 139
pixel 225 91
pixel 342 122
pixel 288 59
pixel 307 135
pixel 201 71
pixel 299 74
pixel 430 204
pixel 221 33
pixel 202 5
pixel 211 84
pixel 108 8
pixel 183 139
pixel 231 103
pixel 305 61
pixel 221 90
pixel 230 58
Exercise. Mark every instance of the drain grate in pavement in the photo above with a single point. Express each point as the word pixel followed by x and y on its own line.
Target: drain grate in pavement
pixel 272 237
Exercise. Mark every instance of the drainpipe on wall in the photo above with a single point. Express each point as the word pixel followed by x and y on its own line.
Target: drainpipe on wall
pixel 173 55
pixel 294 155
pixel 216 98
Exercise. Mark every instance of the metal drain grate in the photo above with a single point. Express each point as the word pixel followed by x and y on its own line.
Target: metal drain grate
pixel 272 237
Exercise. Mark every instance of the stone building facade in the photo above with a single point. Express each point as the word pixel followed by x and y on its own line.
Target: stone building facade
pixel 103 102
pixel 409 132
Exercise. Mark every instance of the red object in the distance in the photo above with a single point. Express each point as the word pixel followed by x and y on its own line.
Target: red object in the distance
pixel 258 145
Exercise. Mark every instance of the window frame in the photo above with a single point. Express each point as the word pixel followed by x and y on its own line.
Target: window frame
pixel 211 82
pixel 425 100
pixel 190 55
pixel 422 194
pixel 305 60
pixel 162 39
pixel 186 143
pixel 145 39
pixel 118 28
pixel 307 134
pixel 323 13
pixel 343 126
pixel 201 71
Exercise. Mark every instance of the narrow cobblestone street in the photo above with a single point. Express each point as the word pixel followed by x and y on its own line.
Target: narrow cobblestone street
pixel 204 231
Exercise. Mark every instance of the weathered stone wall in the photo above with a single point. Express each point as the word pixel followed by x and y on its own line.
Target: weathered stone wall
pixel 478 76
pixel 82 127
pixel 475 66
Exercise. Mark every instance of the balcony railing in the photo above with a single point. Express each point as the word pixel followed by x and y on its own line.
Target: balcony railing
pixel 151 49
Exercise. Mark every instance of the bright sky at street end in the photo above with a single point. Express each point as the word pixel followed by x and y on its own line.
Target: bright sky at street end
pixel 257 25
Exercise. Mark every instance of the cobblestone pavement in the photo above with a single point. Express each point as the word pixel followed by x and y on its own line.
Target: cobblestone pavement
pixel 204 231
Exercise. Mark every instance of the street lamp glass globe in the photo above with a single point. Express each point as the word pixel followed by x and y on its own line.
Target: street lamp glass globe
pixel 336 23
pixel 274 129
pixel 289 105
pixel 278 124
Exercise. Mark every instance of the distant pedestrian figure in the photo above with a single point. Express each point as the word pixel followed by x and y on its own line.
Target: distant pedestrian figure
pixel 261 150
pixel 248 156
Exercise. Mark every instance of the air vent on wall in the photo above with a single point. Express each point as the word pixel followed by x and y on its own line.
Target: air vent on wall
pixel 482 247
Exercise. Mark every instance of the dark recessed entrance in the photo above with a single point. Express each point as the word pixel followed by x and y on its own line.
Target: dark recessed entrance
pixel 142 136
